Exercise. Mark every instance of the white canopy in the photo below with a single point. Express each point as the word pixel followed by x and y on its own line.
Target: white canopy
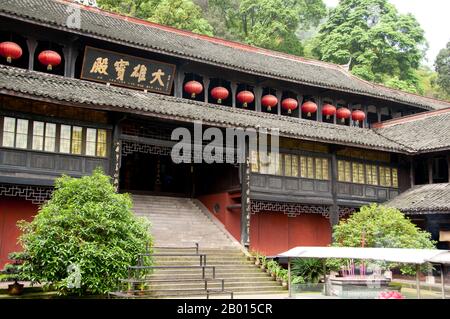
pixel 443 258
pixel 399 255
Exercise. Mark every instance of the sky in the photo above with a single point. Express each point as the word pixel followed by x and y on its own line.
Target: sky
pixel 432 16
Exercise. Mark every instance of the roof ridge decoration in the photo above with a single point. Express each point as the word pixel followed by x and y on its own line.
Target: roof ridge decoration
pixel 79 93
pixel 162 39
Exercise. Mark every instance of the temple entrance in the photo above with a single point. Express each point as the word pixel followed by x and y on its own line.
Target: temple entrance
pixel 155 174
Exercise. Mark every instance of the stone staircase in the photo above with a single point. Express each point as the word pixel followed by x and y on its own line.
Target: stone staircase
pixel 183 222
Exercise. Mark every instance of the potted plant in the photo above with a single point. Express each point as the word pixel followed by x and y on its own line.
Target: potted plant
pixel 284 278
pixel 263 262
pixel 275 272
pixel 12 272
pixel 257 259
pixel 271 265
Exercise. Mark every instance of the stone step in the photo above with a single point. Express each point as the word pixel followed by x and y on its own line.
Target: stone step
pixel 239 286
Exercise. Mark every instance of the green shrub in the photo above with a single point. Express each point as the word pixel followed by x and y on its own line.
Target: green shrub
pixel 380 226
pixel 310 269
pixel 85 226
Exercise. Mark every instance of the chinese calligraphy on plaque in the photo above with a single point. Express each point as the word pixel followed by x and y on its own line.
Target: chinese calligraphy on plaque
pixel 124 70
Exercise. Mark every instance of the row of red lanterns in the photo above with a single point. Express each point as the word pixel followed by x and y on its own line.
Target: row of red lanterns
pixel 269 101
pixel 12 51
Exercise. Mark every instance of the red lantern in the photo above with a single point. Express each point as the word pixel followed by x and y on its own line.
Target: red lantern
pixel 49 58
pixel 219 93
pixel 358 116
pixel 269 101
pixel 343 113
pixel 309 107
pixel 193 88
pixel 245 97
pixel 328 110
pixel 10 51
pixel 289 105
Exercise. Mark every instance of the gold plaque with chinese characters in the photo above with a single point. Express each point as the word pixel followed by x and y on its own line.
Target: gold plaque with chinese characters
pixel 126 70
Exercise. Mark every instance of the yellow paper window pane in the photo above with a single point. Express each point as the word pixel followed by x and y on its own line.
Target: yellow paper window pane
pixel 325 174
pixel 38 136
pixel 382 176
pixel 361 173
pixel 369 179
pixel 310 167
pixel 76 139
pixel 287 165
pixel 22 134
pixel 303 170
pixel 295 165
pixel 50 137
pixel 355 175
pixel 348 177
pixel 374 175
pixel 394 178
pixel 9 130
pixel 388 177
pixel 253 161
pixel 91 136
pixel 319 168
pixel 341 172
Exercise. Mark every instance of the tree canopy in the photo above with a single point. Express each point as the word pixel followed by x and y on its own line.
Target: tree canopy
pixel 442 65
pixel 380 226
pixel 85 230
pixel 383 45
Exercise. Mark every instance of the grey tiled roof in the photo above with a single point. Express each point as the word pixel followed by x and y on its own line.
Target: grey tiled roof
pixel 423 199
pixel 15 81
pixel 424 132
pixel 208 50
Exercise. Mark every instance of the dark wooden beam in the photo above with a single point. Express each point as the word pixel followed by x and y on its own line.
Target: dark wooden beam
pixel 411 171
pixel 334 209
pixel 430 170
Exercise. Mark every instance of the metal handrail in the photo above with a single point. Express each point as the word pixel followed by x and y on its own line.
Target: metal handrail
pixel 172 267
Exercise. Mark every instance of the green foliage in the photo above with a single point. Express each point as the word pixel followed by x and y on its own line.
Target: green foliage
pixel 88 225
pixel 442 65
pixel 382 43
pixel 310 269
pixel 181 14
pixel 380 226
pixel 271 24
pixel 136 8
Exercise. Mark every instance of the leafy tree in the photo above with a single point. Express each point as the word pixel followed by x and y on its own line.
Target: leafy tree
pixel 381 43
pixel 181 14
pixel 442 65
pixel 379 226
pixel 270 24
pixel 85 227
pixel 136 8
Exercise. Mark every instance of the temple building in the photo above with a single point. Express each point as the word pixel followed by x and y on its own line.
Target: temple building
pixel 82 88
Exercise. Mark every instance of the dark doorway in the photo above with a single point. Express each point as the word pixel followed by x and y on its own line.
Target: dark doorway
pixel 440 170
pixel 420 171
pixel 151 173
